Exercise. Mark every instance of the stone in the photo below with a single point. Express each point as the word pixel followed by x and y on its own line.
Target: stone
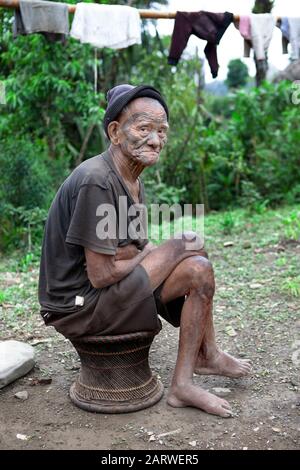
pixel 16 360
pixel 221 392
pixel 230 331
pixel 276 429
pixel 22 395
pixel 246 245
pixel 23 437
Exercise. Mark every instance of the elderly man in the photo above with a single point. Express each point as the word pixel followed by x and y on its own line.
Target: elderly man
pixel 93 285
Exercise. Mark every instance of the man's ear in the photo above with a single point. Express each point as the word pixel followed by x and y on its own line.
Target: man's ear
pixel 113 131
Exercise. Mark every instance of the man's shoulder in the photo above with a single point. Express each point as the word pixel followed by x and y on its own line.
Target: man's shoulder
pixel 92 172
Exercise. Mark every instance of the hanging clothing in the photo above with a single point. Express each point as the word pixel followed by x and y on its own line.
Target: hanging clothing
pixel 284 26
pixel 204 25
pixel 114 26
pixel 262 26
pixel 244 27
pixel 36 16
pixel 294 26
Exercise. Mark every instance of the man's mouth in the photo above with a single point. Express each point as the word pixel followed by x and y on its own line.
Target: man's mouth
pixel 155 152
pixel 147 153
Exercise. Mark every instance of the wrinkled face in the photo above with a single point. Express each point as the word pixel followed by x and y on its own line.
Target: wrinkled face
pixel 141 131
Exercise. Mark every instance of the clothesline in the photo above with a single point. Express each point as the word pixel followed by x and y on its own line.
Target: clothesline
pixel 150 14
pixel 119 27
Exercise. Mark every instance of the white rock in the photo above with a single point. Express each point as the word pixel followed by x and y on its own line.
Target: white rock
pixel 221 392
pixel 16 360
pixel 164 434
pixel 230 331
pixel 23 437
pixel 193 443
pixel 22 395
pixel 276 429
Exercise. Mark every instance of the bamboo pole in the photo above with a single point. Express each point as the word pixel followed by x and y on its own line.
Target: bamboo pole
pixel 14 4
pixel 143 13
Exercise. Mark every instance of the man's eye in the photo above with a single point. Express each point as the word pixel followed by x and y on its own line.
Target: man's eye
pixel 144 129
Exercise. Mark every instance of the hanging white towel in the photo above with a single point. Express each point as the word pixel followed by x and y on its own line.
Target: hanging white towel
pixel 262 26
pixel 114 26
pixel 294 26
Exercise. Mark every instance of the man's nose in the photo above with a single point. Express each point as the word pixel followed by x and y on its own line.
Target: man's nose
pixel 154 139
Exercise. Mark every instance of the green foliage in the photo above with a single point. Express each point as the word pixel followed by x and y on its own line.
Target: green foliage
pixel 27 262
pixel 292 225
pixel 228 223
pixel 251 199
pixel 160 193
pixel 293 196
pixel 21 227
pixel 25 192
pixel 258 144
pixel 2 297
pixel 263 6
pixel 240 149
pixel 237 74
pixel 25 178
pixel 292 286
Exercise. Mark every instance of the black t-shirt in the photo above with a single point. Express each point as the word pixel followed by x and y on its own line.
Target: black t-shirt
pixel 72 224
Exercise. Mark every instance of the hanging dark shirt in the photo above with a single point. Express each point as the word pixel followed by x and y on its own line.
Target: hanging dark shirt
pixel 204 25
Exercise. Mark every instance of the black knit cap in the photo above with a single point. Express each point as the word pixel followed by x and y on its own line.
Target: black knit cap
pixel 119 96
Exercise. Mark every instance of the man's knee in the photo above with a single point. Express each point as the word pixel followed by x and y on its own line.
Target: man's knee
pixel 200 274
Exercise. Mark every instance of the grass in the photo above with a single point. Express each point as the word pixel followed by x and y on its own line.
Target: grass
pixel 292 286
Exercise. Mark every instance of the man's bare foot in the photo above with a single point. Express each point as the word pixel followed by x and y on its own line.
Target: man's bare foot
pixel 222 363
pixel 191 395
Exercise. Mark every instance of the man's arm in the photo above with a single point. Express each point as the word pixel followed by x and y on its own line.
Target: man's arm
pixel 131 250
pixel 105 270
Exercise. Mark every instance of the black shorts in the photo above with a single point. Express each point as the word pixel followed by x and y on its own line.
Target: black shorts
pixel 170 311
pixel 128 306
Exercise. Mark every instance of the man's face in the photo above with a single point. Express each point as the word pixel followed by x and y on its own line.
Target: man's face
pixel 143 131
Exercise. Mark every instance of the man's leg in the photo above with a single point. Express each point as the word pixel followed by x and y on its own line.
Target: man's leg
pixel 211 359
pixel 194 277
pixel 162 261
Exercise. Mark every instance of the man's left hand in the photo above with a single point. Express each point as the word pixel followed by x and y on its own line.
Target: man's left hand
pixel 126 252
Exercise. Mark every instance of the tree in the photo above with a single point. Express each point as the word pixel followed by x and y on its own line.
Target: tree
pixel 237 74
pixel 262 6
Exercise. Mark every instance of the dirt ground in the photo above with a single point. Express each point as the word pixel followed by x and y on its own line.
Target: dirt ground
pixel 266 405
pixel 254 319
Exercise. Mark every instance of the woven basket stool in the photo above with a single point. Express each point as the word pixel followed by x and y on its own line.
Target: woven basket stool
pixel 115 376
